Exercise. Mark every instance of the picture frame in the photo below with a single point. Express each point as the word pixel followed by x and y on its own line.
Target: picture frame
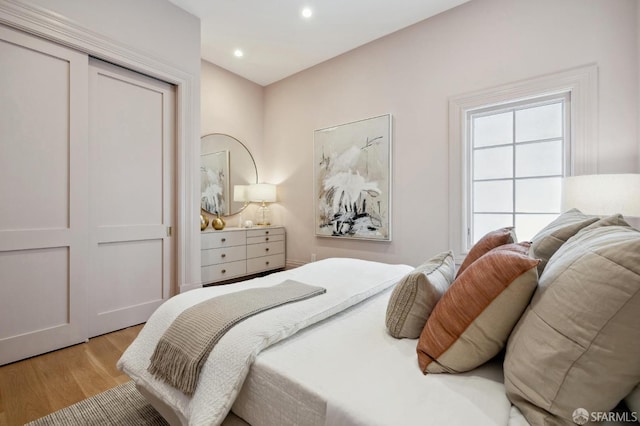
pixel 214 182
pixel 352 179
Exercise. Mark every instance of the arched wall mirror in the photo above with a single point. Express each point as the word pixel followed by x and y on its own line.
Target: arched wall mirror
pixel 224 162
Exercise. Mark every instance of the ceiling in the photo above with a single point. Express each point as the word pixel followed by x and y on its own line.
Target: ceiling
pixel 278 42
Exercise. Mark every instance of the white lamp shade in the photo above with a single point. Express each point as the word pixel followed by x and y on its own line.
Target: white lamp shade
pixel 240 193
pixel 603 195
pixel 262 192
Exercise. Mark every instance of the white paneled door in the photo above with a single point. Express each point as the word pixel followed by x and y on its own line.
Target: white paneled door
pixel 43 204
pixel 131 149
pixel 87 186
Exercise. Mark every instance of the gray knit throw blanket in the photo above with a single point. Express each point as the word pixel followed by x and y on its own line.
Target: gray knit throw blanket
pixel 185 345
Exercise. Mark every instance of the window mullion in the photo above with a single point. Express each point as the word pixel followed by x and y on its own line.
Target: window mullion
pixel 513 158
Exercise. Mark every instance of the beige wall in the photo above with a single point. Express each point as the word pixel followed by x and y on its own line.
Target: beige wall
pixel 411 74
pixel 233 105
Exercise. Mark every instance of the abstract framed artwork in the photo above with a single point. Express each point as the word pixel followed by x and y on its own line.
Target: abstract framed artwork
pixel 352 180
pixel 214 181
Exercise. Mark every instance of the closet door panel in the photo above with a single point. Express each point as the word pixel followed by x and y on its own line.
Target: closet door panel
pixel 43 193
pixel 131 151
pixel 135 282
pixel 40 287
pixel 128 146
pixel 34 153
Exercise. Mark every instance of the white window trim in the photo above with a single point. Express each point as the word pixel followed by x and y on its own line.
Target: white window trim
pixel 581 83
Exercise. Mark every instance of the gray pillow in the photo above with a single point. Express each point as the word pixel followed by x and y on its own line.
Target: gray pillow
pixel 414 297
pixel 551 237
pixel 578 343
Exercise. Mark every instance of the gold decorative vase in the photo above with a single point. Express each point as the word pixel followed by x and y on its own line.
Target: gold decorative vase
pixel 218 223
pixel 204 222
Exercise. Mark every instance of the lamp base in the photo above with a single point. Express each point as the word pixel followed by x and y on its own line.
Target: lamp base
pixel 263 215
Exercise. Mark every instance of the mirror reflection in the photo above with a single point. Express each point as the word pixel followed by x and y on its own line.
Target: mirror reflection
pixel 224 162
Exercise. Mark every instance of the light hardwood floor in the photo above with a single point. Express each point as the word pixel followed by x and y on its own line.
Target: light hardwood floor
pixel 37 386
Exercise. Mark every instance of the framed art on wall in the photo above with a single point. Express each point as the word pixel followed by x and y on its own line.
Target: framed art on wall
pixel 352 180
pixel 214 175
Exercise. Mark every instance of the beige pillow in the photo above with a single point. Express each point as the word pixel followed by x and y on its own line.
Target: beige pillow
pixel 578 343
pixel 552 236
pixel 487 243
pixel 414 297
pixel 472 321
pixel 613 220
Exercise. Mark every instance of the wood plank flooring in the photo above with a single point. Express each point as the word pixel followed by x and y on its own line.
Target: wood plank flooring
pixel 37 386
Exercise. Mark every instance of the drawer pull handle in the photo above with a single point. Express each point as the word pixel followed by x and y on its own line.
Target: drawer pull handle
pixel 267 262
pixel 223 255
pixel 266 239
pixel 267 249
pixel 266 232
pixel 223 240
pixel 224 271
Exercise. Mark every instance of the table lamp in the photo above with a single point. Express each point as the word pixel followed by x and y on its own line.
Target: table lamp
pixel 603 195
pixel 262 193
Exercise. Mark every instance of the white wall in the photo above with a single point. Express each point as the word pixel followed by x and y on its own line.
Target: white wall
pixel 411 74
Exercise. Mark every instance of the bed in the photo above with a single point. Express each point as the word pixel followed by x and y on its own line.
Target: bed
pixel 365 377
pixel 336 365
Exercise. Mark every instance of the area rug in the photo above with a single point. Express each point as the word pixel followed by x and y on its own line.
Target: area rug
pixel 120 406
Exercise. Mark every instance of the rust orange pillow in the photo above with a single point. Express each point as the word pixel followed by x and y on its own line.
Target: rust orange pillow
pixel 472 321
pixel 487 243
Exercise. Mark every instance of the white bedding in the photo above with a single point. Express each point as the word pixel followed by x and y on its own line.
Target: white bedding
pixel 349 372
pixel 348 281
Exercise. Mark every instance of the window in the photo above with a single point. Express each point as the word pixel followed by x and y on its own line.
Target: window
pixel 518 154
pixel 504 167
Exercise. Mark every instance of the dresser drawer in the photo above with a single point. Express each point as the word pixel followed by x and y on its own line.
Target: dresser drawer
pixel 232 254
pixel 265 263
pixel 223 271
pixel 264 232
pixel 222 239
pixel 265 239
pixel 223 255
pixel 265 249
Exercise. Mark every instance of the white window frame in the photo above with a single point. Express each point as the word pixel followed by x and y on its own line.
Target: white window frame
pixel 581 84
pixel 512 108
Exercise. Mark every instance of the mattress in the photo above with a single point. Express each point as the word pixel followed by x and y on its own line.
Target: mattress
pixel 347 371
pixel 348 282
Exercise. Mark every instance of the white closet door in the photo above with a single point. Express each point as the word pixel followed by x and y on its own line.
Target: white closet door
pixel 43 186
pixel 131 144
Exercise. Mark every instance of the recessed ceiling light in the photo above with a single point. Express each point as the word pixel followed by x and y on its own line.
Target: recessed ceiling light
pixel 238 53
pixel 307 12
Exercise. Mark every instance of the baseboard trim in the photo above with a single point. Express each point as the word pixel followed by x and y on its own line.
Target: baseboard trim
pixel 291 264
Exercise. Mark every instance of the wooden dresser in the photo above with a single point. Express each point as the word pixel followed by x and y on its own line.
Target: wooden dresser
pixel 235 253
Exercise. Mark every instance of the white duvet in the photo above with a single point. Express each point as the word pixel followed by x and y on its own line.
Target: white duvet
pixel 348 371
pixel 348 281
